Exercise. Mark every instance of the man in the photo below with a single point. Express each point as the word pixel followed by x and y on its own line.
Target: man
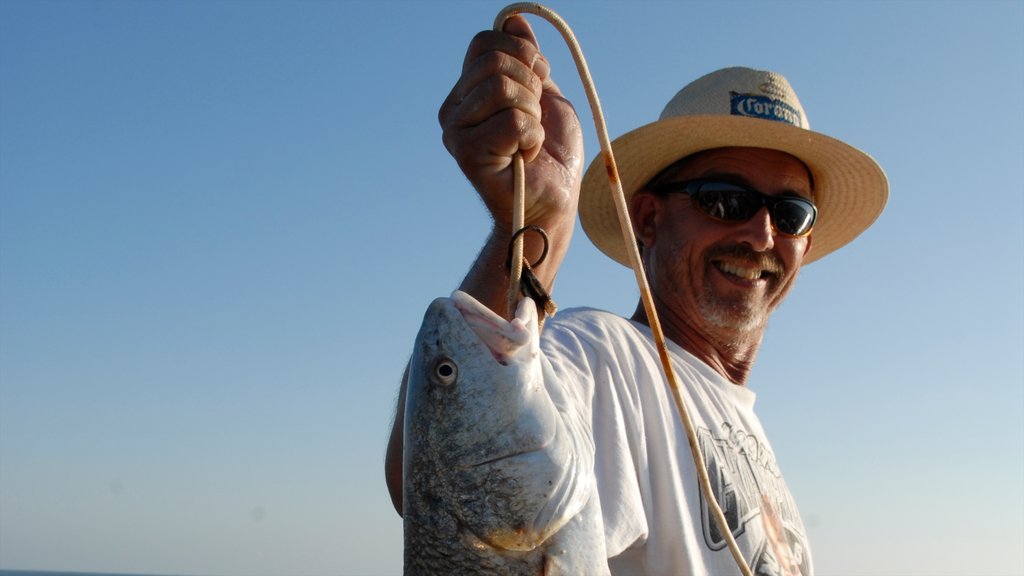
pixel 730 194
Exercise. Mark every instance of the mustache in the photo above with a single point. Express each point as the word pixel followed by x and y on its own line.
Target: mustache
pixel 767 261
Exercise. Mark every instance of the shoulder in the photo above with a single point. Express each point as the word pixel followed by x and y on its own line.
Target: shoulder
pixel 589 324
pixel 594 337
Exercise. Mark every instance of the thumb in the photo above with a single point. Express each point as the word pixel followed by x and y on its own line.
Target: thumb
pixel 516 25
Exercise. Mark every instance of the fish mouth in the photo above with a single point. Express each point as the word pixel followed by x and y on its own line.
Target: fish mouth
pixel 506 340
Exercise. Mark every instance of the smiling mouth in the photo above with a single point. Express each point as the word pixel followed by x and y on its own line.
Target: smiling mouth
pixel 750 273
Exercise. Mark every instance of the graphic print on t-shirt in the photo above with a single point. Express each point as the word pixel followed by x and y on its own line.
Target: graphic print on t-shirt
pixel 749 488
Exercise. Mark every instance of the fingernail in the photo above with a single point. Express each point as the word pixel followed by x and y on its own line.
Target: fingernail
pixel 540 66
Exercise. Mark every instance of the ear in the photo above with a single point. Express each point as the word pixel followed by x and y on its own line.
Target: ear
pixel 807 247
pixel 643 211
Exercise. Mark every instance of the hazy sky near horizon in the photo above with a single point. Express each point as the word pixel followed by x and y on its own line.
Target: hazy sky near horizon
pixel 221 222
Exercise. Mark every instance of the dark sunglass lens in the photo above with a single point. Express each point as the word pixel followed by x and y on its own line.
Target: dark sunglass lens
pixel 793 217
pixel 726 201
pixel 709 202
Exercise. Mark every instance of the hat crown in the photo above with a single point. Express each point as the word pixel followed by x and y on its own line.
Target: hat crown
pixel 739 91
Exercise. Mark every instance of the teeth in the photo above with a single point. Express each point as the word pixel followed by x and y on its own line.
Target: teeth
pixel 745 273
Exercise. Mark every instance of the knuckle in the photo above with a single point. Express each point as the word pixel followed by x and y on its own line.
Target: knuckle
pixel 481 41
pixel 493 61
pixel 525 128
pixel 445 111
pixel 508 89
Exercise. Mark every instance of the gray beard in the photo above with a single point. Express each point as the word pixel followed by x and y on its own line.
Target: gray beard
pixel 731 316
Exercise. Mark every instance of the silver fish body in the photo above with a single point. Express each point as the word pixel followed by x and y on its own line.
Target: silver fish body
pixel 498 462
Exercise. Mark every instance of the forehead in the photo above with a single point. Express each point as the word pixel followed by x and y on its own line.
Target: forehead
pixel 766 170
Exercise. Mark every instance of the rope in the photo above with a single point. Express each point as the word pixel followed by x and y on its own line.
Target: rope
pixel 518 222
pixel 626 226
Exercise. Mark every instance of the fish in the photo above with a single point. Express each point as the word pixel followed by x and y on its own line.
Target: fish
pixel 498 459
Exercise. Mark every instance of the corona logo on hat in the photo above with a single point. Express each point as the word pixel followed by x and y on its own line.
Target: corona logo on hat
pixel 739 107
pixel 756 106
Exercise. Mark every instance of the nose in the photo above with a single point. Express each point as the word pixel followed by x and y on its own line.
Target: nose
pixel 758 232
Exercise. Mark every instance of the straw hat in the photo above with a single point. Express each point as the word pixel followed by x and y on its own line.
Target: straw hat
pixel 738 107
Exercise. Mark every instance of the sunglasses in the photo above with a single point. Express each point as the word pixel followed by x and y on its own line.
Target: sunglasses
pixel 791 215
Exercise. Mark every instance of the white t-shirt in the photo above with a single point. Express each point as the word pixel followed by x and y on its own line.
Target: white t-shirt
pixel 655 518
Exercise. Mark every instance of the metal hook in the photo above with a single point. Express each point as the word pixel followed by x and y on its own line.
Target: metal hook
pixel 520 232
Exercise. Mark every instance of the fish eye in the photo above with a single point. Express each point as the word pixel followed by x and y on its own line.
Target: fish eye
pixel 445 371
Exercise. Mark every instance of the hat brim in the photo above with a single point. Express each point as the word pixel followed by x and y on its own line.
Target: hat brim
pixel 850 188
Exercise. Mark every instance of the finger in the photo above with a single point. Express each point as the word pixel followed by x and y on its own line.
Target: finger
pixel 494 74
pixel 518 26
pixel 491 144
pixel 517 41
pixel 483 68
pixel 495 95
pixel 493 52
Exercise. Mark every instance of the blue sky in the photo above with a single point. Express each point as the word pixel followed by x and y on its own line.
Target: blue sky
pixel 221 222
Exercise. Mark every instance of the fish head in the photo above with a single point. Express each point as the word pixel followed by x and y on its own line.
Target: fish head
pixel 473 378
pixel 482 434
pixel 485 446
